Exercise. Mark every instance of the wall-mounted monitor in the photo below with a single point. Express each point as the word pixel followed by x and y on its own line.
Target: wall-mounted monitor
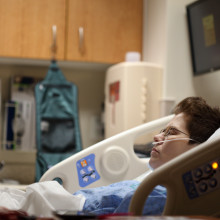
pixel 204 31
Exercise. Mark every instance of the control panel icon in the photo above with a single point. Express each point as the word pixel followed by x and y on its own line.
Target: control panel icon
pixel 86 170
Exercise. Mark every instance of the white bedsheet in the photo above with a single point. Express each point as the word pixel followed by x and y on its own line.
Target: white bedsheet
pixel 40 199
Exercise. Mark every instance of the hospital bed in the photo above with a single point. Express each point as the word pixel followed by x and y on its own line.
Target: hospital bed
pixel 192 179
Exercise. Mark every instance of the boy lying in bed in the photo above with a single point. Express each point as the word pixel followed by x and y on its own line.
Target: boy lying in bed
pixel 194 122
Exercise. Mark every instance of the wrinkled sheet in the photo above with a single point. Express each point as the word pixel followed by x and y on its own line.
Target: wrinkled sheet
pixel 115 198
pixel 40 199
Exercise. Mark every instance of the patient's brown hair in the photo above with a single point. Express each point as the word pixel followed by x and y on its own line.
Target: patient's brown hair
pixel 202 119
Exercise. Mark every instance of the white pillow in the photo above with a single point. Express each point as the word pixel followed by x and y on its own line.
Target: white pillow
pixel 215 135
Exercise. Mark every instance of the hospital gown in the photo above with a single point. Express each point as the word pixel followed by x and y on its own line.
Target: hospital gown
pixel 115 198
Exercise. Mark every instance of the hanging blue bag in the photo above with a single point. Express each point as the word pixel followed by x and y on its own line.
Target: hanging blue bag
pixel 57 122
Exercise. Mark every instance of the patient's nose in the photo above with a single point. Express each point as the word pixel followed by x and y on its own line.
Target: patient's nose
pixel 159 137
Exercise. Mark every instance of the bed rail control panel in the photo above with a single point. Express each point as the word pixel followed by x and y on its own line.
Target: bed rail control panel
pixel 203 179
pixel 86 170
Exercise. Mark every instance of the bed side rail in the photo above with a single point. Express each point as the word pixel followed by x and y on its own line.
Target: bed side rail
pixel 108 161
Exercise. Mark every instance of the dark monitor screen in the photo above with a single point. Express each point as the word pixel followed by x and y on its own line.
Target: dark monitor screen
pixel 204 30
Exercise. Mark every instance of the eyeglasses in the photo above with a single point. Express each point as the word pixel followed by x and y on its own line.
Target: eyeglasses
pixel 169 131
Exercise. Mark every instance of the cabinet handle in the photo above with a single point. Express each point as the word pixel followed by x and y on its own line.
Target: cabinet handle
pixel 81 39
pixel 54 43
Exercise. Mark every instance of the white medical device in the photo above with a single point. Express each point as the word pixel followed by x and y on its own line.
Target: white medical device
pixel 111 160
pixel 132 95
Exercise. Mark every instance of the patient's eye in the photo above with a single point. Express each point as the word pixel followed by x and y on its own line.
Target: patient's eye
pixel 172 131
pixel 163 130
pixel 169 131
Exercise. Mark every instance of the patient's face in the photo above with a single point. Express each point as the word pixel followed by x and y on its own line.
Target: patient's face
pixel 163 152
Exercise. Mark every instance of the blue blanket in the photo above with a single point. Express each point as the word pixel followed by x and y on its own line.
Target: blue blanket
pixel 115 198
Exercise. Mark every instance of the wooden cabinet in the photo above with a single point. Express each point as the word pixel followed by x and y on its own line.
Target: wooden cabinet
pixel 108 28
pixel 26 28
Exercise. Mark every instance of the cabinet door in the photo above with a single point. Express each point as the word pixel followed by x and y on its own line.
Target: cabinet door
pixel 110 29
pixel 26 28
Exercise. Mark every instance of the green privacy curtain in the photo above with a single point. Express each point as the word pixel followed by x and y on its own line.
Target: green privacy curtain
pixel 57 122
